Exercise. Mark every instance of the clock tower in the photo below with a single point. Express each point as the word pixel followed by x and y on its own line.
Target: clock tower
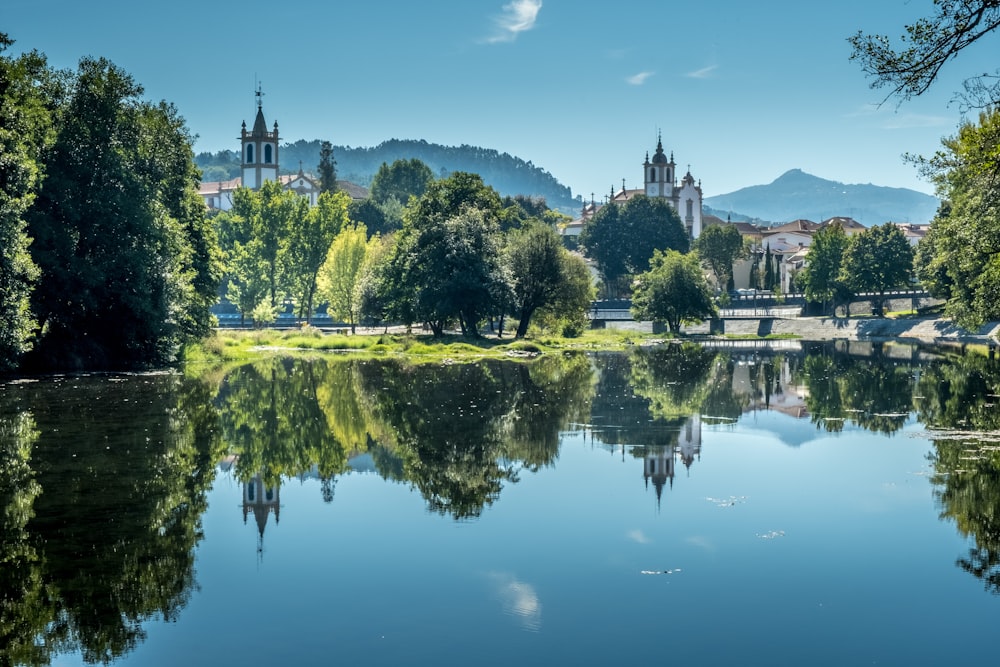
pixel 659 173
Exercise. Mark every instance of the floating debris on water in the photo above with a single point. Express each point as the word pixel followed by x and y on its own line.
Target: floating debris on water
pixel 727 502
pixel 771 534
pixel 676 569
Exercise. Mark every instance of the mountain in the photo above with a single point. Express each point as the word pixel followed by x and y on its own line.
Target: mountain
pixel 507 174
pixel 796 194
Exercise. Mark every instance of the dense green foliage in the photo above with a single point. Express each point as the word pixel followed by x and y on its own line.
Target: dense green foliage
pixel 877 260
pixel 542 273
pixel 327 168
pixel 719 246
pixel 959 260
pixel 107 259
pixel 23 116
pixel 401 180
pixel 341 273
pixel 621 239
pixel 820 279
pixel 128 263
pixel 674 290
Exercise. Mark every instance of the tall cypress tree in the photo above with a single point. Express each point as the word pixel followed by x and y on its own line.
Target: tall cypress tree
pixel 327 168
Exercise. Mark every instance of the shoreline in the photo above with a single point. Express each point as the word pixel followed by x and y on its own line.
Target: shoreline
pixel 920 330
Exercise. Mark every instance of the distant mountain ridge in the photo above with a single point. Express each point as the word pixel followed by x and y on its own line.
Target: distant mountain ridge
pixel 507 174
pixel 796 194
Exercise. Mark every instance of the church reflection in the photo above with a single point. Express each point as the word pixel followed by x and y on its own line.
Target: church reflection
pixel 261 501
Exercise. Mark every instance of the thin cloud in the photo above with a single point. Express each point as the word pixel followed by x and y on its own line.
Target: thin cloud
pixel 518 16
pixel 639 79
pixel 911 120
pixel 702 73
pixel 638 536
pixel 895 121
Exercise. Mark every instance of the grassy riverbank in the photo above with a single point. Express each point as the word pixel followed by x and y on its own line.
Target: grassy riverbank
pixel 229 345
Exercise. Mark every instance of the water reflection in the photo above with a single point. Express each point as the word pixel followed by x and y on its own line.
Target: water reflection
pixel 102 488
pixel 103 481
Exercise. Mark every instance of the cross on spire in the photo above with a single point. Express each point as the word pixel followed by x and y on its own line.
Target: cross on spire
pixel 259 94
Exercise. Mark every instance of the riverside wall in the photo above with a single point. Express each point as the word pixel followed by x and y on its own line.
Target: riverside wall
pixel 927 330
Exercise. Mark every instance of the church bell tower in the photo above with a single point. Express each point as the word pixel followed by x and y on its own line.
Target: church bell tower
pixel 260 150
pixel 659 173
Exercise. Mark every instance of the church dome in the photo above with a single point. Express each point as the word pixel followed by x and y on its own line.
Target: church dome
pixel 660 157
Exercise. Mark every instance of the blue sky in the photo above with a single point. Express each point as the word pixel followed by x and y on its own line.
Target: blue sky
pixel 741 91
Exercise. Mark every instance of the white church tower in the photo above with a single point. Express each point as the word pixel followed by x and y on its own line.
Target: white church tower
pixel 659 173
pixel 659 176
pixel 260 151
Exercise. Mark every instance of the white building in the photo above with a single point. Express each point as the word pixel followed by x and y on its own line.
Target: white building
pixel 659 181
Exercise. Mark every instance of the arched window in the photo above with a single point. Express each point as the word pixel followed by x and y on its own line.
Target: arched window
pixel 267 153
pixel 690 209
pixel 249 153
pixel 250 492
pixel 652 173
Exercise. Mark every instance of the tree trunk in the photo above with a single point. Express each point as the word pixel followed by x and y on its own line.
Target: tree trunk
pixel 522 325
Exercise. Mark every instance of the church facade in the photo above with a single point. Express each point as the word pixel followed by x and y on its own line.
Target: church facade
pixel 659 176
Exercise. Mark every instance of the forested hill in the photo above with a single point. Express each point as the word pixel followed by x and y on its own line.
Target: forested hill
pixel 509 175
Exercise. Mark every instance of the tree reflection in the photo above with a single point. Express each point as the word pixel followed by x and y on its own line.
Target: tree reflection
pixel 99 532
pixel 872 390
pixel 958 397
pixel 463 430
pixel 457 432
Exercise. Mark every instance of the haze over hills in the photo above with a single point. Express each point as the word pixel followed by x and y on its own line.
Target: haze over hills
pixel 796 194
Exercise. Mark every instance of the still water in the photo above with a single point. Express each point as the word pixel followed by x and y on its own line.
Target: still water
pixel 821 504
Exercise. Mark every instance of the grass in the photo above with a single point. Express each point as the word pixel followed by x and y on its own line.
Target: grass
pixel 230 345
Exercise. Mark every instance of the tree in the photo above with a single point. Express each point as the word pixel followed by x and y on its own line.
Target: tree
pixel 674 290
pixel 327 168
pixel 244 281
pixel 959 260
pixel 125 259
pixel 821 277
pixel 371 214
pixel 401 180
pixel 928 45
pixel 567 310
pixel 457 270
pixel 769 269
pixel 310 242
pixel 340 273
pixel 877 260
pixel 719 246
pixel 265 233
pixel 601 237
pixel 622 238
pixel 538 269
pixel 446 263
pixel 23 118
